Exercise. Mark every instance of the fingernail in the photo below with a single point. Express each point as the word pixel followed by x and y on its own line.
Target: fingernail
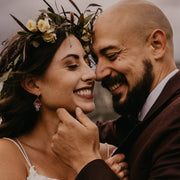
pixel 78 111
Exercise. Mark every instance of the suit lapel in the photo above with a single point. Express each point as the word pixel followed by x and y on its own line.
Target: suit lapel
pixel 171 89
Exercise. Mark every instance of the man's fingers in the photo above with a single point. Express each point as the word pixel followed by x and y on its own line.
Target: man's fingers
pixel 63 115
pixel 115 159
pixel 66 118
pixel 123 174
pixel 83 119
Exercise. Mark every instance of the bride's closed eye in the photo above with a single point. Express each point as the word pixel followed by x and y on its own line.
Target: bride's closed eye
pixel 73 66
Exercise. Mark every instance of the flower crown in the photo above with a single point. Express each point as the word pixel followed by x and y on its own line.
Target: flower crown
pixel 45 28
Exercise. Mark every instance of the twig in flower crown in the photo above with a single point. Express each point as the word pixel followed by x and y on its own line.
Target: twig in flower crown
pixel 20 23
pixel 75 6
pixel 49 7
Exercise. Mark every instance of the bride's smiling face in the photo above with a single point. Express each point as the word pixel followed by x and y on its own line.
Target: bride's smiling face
pixel 68 81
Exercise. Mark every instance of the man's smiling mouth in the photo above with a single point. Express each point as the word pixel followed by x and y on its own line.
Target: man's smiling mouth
pixel 114 87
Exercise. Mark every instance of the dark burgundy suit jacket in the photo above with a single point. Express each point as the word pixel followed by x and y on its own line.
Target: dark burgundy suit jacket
pixel 153 148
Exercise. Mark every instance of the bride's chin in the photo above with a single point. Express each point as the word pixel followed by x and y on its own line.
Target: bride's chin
pixel 89 109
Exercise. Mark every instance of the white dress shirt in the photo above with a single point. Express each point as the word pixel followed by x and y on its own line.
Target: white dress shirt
pixel 154 95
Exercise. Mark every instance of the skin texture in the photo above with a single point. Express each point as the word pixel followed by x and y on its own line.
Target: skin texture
pixel 125 36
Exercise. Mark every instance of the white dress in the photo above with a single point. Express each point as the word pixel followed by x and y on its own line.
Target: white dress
pixel 33 175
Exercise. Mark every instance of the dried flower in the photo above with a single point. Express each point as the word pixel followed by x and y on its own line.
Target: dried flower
pixel 49 36
pixel 43 25
pixel 31 25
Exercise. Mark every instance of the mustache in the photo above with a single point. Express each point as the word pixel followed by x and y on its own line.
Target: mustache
pixel 109 81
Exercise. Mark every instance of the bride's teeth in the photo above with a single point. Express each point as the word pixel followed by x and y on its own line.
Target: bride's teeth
pixel 84 92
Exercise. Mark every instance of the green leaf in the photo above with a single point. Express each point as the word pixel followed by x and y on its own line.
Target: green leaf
pixel 17 59
pixel 5 76
pixel 55 18
pixel 22 33
pixel 86 20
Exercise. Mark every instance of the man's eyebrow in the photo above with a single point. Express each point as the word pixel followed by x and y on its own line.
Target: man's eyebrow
pixel 103 51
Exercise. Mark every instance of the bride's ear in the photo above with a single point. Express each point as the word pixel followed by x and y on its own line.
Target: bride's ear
pixel 29 83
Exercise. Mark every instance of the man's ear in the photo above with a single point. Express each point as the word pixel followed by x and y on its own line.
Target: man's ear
pixel 158 43
pixel 30 85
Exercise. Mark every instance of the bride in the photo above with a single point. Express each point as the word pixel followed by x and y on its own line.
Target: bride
pixel 43 67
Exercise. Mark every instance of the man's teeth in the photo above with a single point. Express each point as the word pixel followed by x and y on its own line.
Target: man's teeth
pixel 112 88
pixel 84 92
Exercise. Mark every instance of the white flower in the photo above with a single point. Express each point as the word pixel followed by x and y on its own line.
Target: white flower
pixel 43 25
pixel 49 36
pixel 31 25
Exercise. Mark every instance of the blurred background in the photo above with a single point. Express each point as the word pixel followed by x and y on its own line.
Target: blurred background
pixel 29 9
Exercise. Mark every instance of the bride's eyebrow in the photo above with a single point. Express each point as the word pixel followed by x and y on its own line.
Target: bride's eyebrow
pixel 71 55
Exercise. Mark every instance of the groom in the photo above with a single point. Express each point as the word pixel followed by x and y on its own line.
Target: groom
pixel 133 48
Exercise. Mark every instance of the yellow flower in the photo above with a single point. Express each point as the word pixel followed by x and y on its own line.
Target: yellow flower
pixel 31 25
pixel 86 48
pixel 86 37
pixel 43 25
pixel 49 36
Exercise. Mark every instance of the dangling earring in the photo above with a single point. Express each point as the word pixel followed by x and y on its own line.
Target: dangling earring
pixel 37 104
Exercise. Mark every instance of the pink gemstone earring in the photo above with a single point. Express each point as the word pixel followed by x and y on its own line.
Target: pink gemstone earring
pixel 37 104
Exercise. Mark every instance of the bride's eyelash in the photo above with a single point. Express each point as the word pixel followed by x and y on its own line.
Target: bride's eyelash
pixel 73 66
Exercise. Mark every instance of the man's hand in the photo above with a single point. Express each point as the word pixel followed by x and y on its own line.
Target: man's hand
pixel 118 165
pixel 76 142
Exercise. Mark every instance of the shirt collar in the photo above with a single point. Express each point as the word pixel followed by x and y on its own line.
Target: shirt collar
pixel 154 95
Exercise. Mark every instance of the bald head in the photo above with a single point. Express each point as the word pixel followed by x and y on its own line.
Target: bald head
pixel 137 16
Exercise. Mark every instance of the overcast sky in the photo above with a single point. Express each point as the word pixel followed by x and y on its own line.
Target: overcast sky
pixel 26 9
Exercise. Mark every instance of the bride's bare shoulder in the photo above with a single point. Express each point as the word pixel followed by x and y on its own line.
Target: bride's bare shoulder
pixel 12 164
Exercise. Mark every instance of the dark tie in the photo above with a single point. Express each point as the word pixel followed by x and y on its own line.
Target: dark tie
pixel 129 140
